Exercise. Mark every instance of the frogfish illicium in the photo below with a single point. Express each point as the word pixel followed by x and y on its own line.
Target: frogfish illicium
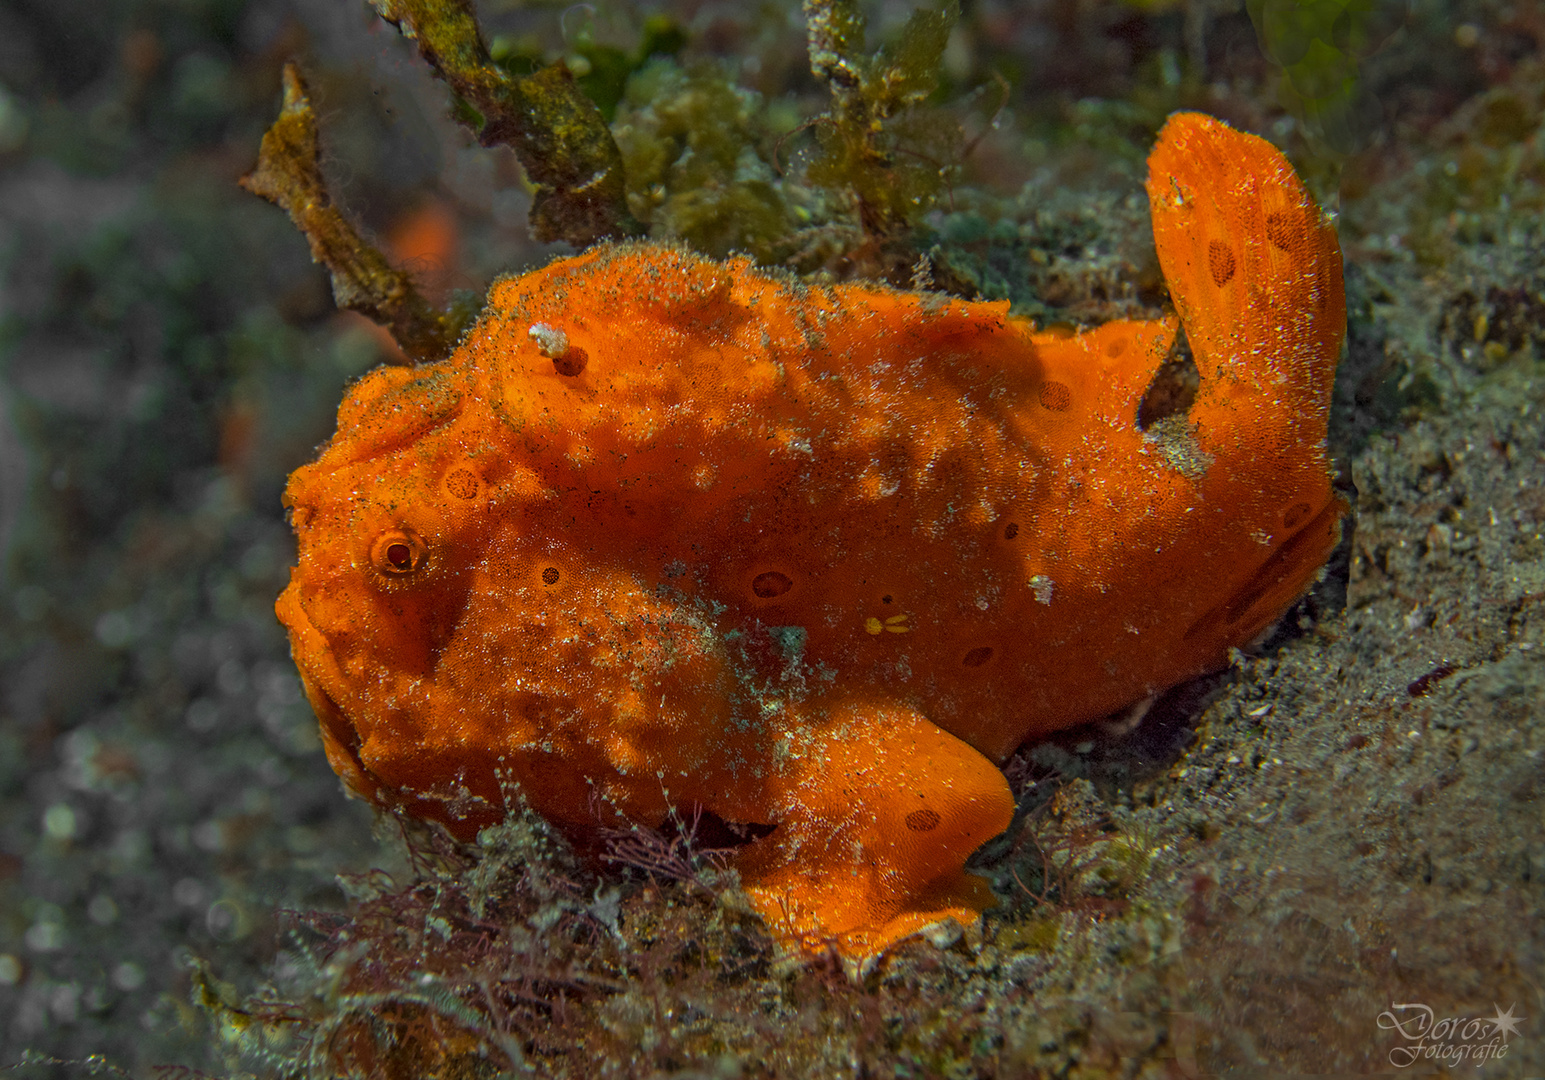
pixel 666 532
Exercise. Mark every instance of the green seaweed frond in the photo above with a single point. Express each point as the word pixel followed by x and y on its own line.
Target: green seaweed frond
pixel 696 148
pixel 893 157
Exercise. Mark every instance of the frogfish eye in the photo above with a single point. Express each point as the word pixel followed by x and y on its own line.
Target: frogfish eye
pixel 398 552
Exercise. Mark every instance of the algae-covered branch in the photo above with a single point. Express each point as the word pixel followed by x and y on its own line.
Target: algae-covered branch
pixel 557 132
pixel 288 174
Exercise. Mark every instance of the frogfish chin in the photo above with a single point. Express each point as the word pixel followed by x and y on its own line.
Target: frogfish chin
pixel 668 532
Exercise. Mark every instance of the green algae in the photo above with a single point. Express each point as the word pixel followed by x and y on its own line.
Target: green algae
pixel 878 143
pixel 696 149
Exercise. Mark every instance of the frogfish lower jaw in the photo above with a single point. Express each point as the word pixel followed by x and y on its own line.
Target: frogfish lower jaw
pixel 318 669
pixel 666 532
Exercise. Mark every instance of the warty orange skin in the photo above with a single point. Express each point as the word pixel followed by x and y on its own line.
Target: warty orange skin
pixel 667 532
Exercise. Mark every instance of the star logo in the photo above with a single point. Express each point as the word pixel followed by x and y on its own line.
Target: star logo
pixel 1505 1023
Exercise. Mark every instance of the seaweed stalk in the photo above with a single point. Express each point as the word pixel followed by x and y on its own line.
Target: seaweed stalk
pixel 557 133
pixel 289 176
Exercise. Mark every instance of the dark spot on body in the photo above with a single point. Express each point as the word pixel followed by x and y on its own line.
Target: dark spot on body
pixel 924 820
pixel 1055 396
pixel 1282 233
pixel 461 483
pixel 771 584
pixel 571 362
pixel 1220 263
pixel 1296 515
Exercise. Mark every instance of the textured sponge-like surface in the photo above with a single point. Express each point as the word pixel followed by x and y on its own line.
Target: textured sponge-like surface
pixel 671 532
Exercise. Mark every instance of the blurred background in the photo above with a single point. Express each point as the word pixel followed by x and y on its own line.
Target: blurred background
pixel 168 353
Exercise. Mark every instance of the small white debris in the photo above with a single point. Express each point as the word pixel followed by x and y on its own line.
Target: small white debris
pixel 1043 587
pixel 550 341
pixel 944 933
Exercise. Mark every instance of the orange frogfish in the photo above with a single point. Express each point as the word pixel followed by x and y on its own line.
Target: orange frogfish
pixel 666 533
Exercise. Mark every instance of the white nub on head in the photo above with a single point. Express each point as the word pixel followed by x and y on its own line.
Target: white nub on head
pixel 550 341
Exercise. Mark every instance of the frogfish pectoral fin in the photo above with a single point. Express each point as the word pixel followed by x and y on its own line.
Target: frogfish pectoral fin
pixel 878 810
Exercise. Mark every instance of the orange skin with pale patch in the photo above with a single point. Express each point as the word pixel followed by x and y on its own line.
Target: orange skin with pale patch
pixel 671 532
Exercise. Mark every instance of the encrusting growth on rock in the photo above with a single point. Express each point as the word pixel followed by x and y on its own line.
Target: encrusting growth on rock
pixel 671 532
